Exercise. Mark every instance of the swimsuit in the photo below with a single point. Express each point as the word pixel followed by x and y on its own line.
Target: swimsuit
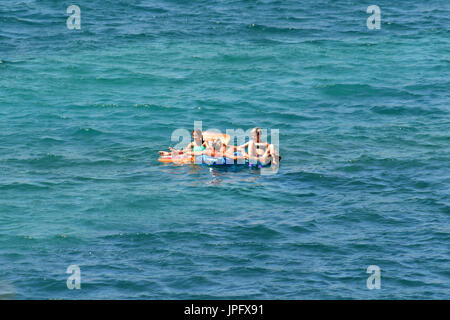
pixel 201 148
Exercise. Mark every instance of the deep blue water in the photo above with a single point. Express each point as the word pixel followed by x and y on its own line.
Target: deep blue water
pixel 364 126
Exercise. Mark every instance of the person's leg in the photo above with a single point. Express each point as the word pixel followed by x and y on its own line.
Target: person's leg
pixel 265 158
pixel 252 154
pixel 273 154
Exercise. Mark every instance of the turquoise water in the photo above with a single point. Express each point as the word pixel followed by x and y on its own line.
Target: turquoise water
pixel 364 123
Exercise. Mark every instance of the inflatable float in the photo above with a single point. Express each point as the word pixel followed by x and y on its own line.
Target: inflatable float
pixel 208 160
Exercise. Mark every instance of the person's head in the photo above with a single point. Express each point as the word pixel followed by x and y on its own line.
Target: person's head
pixel 197 135
pixel 256 134
pixel 217 145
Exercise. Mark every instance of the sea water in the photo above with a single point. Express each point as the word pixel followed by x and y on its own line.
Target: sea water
pixel 363 121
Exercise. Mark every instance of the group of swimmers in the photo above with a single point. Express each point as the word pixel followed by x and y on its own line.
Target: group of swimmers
pixel 257 151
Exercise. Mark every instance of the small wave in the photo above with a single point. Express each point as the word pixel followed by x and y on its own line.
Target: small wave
pixel 362 90
pixel 251 271
pixel 319 177
pixel 37 161
pixel 404 110
pixel 87 132
pixel 326 67
pixel 445 209
pixel 256 231
pixel 184 235
pixel 299 229
pixel 191 282
pixel 51 140
pixel 7 291
pixel 134 237
pixel 246 58
pixel 147 36
pixel 29 21
pixel 23 186
pixel 281 30
pixel 383 161
pixel 316 247
pixel 428 88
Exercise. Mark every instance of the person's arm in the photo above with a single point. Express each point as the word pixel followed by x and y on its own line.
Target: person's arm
pixel 208 151
pixel 242 149
pixel 185 150
pixel 189 148
pixel 230 154
pixel 245 145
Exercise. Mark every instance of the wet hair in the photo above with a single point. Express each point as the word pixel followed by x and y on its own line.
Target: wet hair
pixel 199 133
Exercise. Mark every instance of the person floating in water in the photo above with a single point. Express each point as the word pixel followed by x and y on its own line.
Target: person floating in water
pixel 196 148
pixel 260 151
pixel 219 149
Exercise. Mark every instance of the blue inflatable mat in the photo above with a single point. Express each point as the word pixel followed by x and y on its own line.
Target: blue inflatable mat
pixel 223 161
